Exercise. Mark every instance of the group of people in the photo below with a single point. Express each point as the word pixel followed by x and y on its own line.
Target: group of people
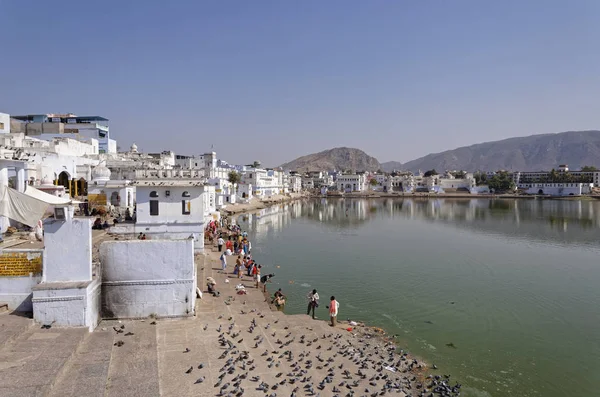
pixel 238 244
pixel 313 303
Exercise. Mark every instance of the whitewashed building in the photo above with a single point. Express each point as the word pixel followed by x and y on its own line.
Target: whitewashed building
pixel 557 189
pixel 348 183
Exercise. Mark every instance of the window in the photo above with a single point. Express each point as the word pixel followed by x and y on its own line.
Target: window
pixel 186 206
pixel 153 207
pixel 185 194
pixel 1 126
pixel 153 194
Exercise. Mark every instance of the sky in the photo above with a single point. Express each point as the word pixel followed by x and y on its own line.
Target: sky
pixel 274 80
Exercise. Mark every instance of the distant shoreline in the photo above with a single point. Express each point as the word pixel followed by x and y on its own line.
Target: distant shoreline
pixel 455 196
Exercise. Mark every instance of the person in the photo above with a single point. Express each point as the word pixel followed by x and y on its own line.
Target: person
pixel 265 279
pixel 105 225
pixel 238 266
pixel 144 237
pixel 229 244
pixel 220 243
pixel 280 303
pixel 313 302
pixel 223 259
pixel 256 274
pixel 277 294
pixel 140 236
pixel 211 284
pixel 333 310
pixel 97 224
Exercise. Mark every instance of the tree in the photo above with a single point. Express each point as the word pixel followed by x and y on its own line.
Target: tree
pixel 430 173
pixel 373 182
pixel 480 178
pixel 501 182
pixel 234 178
pixel 589 168
pixel 459 174
pixel 256 164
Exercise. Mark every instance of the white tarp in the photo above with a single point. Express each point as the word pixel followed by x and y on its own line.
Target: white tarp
pixel 21 207
pixel 47 198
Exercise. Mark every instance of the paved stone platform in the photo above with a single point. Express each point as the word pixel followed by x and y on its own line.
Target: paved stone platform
pixel 184 357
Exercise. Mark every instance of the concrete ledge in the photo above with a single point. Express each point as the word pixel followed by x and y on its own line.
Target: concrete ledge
pixel 61 285
pixel 147 282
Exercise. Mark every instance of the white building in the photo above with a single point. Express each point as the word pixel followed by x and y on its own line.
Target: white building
pixel 171 209
pixel 48 126
pixel 557 189
pixel 295 183
pixel 265 183
pixel 118 194
pixel 348 183
pixel 4 123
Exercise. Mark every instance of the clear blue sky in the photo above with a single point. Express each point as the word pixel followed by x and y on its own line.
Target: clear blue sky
pixel 273 80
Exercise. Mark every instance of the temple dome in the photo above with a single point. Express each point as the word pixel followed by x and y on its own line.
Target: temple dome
pixel 101 173
pixel 134 148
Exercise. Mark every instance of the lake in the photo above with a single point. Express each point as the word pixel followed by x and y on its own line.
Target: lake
pixel 504 295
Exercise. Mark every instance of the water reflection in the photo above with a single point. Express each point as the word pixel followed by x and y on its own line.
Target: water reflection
pixel 556 221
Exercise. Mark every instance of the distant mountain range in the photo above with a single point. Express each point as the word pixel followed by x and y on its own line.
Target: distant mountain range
pixel 341 158
pixel 531 153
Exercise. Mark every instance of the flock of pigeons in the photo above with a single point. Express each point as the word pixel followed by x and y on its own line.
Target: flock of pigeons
pixel 333 364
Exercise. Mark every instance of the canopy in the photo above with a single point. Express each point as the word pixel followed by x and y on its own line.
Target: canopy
pixel 21 207
pixel 29 207
pixel 48 198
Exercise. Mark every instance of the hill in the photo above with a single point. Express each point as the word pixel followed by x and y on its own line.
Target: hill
pixel 341 158
pixel 531 153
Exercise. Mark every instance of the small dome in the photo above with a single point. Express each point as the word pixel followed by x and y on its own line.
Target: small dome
pixel 46 181
pixel 101 173
pixel 134 148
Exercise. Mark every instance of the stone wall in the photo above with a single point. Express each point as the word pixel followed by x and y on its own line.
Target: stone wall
pixel 141 278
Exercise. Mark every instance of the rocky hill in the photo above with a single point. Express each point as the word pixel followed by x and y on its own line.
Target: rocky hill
pixel 531 153
pixel 341 158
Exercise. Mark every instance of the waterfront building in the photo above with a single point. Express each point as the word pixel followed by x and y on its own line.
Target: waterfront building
pixel 82 128
pixel 349 183
pixel 170 208
pixel 557 189
pixel 561 174
pixel 295 183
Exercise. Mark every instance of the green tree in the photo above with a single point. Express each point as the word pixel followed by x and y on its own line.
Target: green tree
pixel 589 168
pixel 234 178
pixel 373 182
pixel 430 173
pixel 501 182
pixel 480 178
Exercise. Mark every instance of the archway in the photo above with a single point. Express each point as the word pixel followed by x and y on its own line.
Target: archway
pixel 540 191
pixel 244 195
pixel 82 187
pixel 64 180
pixel 115 199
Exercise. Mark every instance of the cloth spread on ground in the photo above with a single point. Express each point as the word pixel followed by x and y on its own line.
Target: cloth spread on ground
pixel 21 207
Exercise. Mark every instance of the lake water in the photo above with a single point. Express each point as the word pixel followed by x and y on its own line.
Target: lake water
pixel 513 285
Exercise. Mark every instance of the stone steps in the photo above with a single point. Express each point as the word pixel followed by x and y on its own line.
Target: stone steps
pixel 31 363
pixel 86 373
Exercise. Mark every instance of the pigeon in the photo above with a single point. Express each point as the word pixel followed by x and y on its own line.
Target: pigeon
pixel 189 371
pixel 187 350
pixel 200 380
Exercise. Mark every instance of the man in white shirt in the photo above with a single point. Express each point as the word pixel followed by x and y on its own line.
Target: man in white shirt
pixel 220 243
